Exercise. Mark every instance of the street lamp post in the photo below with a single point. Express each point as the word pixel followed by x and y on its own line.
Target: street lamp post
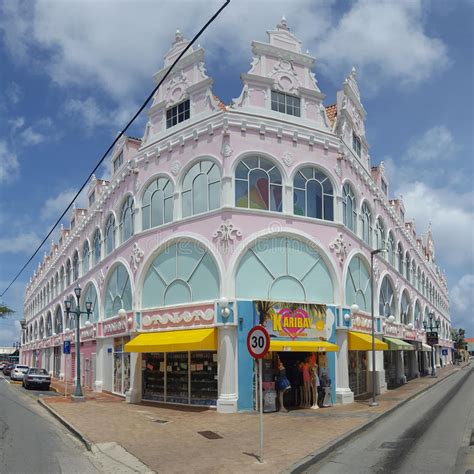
pixel 77 311
pixel 431 327
pixel 372 254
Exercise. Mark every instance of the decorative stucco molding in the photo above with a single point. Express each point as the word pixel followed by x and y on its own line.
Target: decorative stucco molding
pixel 288 158
pixel 227 233
pixel 175 167
pixel 340 247
pixel 136 257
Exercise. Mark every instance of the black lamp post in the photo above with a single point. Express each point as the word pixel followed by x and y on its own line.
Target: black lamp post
pixel 77 311
pixel 431 327
pixel 372 254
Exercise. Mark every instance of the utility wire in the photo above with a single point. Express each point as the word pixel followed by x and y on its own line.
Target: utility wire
pixel 140 110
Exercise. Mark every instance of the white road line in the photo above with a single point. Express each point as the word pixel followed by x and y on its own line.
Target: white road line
pixel 4 379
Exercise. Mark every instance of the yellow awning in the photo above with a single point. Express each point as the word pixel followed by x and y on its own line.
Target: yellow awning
pixel 302 346
pixel 359 341
pixel 174 341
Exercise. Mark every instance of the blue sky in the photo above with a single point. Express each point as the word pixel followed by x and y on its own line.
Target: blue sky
pixel 72 73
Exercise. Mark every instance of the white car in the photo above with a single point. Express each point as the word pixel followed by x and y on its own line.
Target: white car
pixel 18 372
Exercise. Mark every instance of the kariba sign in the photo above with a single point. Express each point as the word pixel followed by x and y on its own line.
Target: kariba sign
pixel 202 315
pixel 295 320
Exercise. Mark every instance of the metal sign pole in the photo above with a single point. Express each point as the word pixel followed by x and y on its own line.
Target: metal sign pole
pixel 260 394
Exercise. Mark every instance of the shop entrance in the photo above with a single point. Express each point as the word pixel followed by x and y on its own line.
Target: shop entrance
pixel 358 372
pixel 297 368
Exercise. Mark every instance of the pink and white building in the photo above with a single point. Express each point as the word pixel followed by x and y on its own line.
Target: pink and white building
pixel 272 198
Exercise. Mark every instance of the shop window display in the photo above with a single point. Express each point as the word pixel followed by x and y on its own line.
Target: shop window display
pixel 181 377
pixel 358 372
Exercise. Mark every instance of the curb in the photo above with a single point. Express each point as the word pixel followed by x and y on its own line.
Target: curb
pixel 68 425
pixel 320 454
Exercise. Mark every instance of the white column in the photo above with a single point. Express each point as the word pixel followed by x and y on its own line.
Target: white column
pixel 287 203
pixel 380 383
pixel 227 369
pixel 400 366
pixel 343 392
pixel 100 351
pixel 134 393
pixel 227 195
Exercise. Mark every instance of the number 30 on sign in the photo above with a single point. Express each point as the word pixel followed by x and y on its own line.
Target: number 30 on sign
pixel 258 342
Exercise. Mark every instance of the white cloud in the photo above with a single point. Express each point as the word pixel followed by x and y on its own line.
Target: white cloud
pixel 386 41
pixel 437 144
pixel 451 220
pixel 462 302
pixel 17 124
pixel 13 93
pixel 29 136
pixel 54 206
pixel 9 166
pixel 20 243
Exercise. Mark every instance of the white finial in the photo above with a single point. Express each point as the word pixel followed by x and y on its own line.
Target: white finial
pixel 283 25
pixel 62 227
pixel 353 72
pixel 73 206
pixel 178 37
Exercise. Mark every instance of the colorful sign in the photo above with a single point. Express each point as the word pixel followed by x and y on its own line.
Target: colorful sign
pixel 118 325
pixel 295 321
pixel 362 323
pixel 202 315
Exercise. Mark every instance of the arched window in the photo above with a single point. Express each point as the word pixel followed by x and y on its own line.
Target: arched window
pixel 358 284
pixel 379 235
pixel 49 325
pixel 68 272
pixel 423 287
pixel 313 194
pixel 417 316
pixel 41 328
pixel 182 273
pixel 418 279
pixel 284 269
pixel 58 321
pixel 391 249
pixel 75 266
pixel 258 184
pixel 407 266
pixel 90 294
pixel 118 294
pixel 157 203
pixel 35 330
pixel 96 245
pixel 405 309
pixel 413 273
pixel 110 234
pixel 85 257
pixel 400 258
pixel 126 220
pixel 349 211
pixel 71 321
pixel 201 188
pixel 366 219
pixel 426 315
pixel 387 298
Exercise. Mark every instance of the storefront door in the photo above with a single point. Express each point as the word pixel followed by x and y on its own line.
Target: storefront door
pixel 358 372
pixel 57 362
pixel 121 366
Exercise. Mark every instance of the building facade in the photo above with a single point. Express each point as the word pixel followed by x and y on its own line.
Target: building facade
pixel 221 217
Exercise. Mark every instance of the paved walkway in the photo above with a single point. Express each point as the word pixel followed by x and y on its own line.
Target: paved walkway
pixel 167 439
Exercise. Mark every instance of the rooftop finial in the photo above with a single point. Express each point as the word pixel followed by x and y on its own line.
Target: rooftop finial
pixel 353 72
pixel 178 37
pixel 283 25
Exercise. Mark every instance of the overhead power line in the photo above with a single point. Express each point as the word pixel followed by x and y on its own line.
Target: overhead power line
pixel 140 110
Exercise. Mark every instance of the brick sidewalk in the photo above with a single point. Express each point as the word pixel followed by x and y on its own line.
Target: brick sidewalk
pixel 167 438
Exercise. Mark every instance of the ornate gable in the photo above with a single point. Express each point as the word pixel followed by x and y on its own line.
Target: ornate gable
pixel 188 81
pixel 279 65
pixel 351 116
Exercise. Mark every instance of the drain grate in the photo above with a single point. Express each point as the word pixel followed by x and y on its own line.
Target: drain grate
pixel 162 422
pixel 210 434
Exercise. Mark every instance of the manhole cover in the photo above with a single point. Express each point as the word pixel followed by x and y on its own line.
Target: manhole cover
pixel 210 434
pixel 162 422
pixel 389 445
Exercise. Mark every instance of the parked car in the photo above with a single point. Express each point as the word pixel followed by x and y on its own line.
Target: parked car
pixel 8 369
pixel 37 378
pixel 3 364
pixel 18 372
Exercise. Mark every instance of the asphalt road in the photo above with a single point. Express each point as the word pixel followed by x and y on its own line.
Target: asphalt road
pixel 429 434
pixel 31 441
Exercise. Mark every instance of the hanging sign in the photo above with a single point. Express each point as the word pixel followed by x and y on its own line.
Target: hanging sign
pixel 432 338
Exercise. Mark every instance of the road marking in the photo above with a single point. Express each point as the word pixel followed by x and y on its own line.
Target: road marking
pixel 4 379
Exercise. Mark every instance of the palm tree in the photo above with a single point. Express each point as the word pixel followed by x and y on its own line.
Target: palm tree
pixel 5 310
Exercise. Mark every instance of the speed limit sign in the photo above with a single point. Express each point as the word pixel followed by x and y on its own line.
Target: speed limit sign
pixel 258 342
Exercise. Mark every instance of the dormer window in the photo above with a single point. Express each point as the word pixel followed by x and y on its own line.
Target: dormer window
pixel 118 162
pixel 384 187
pixel 91 198
pixel 356 146
pixel 177 114
pixel 286 104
